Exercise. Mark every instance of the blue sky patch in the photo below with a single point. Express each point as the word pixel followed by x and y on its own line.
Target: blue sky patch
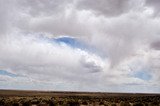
pixel 144 75
pixel 3 72
pixel 76 43
pixel 73 42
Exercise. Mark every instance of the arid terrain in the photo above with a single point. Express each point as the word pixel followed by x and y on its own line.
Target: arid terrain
pixel 49 98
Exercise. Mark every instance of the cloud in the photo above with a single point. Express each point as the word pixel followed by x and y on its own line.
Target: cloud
pixel 109 7
pixel 156 45
pixel 154 4
pixel 5 15
pixel 42 60
pixel 80 45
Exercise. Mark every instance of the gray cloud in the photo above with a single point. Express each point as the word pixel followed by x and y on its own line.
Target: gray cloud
pixel 155 5
pixel 156 45
pixel 42 8
pixel 108 7
pixel 5 17
pixel 91 65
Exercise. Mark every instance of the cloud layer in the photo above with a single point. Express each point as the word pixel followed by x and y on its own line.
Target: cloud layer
pixel 117 50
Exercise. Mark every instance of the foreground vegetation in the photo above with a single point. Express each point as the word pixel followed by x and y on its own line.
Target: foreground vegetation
pixel 37 98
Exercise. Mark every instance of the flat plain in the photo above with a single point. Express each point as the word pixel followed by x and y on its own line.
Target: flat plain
pixel 66 98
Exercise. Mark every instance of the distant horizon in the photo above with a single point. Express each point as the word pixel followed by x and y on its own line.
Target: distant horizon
pixel 34 90
pixel 52 91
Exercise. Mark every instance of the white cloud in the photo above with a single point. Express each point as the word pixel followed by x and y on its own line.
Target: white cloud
pixel 125 35
pixel 45 61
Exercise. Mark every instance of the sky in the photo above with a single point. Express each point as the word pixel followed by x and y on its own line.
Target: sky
pixel 80 45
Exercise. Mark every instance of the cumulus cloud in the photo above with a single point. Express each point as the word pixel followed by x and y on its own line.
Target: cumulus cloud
pixel 121 41
pixel 42 60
